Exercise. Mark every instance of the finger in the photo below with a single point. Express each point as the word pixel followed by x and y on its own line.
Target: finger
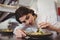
pixel 18 34
pixel 43 23
pixel 23 33
pixel 45 26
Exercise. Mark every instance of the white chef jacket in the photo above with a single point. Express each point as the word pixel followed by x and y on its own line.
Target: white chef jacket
pixel 45 11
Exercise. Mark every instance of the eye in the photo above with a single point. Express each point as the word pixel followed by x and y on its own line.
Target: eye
pixel 27 17
pixel 23 21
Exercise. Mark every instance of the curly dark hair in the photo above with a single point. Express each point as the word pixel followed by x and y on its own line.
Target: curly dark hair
pixel 21 11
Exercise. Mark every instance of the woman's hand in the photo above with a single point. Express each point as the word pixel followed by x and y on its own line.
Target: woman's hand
pixel 19 33
pixel 44 25
pixel 48 26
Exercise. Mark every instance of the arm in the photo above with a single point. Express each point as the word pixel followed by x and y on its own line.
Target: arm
pixel 47 15
pixel 18 32
pixel 56 27
pixel 48 26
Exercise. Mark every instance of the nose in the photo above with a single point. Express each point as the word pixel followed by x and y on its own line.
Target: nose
pixel 27 22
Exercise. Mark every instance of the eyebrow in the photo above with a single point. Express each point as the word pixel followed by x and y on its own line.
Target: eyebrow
pixel 27 17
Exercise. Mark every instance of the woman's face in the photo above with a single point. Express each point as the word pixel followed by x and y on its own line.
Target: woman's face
pixel 27 19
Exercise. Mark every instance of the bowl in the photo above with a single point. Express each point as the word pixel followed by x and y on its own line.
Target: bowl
pixel 38 35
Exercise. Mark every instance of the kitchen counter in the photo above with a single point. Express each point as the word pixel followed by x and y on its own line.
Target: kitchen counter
pixel 2 37
pixel 14 38
pixel 57 38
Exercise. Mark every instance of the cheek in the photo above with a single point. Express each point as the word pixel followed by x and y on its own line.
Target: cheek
pixel 31 20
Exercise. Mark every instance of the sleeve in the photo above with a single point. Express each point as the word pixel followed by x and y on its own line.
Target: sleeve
pixel 57 25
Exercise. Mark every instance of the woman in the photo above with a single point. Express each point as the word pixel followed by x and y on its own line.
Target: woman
pixel 29 21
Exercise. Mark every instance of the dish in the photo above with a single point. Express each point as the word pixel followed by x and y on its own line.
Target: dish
pixel 38 34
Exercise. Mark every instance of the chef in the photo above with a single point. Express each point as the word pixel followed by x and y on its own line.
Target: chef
pixel 29 22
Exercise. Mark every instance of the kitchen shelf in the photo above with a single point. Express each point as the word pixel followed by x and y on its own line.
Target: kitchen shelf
pixel 8 8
